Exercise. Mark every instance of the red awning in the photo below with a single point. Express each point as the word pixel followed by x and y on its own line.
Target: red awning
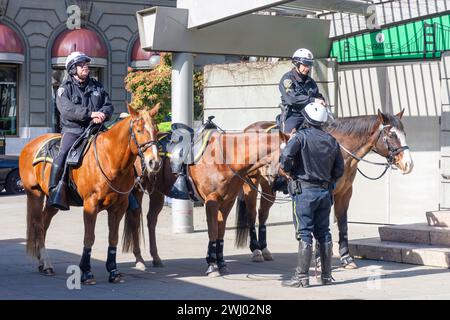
pixel 141 59
pixel 11 46
pixel 83 40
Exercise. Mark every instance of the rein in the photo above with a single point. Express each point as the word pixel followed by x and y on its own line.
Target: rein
pixel 389 158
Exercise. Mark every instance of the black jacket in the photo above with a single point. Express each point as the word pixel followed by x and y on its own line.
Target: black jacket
pixel 76 103
pixel 313 155
pixel 297 91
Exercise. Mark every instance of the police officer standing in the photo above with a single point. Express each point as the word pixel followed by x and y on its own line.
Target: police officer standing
pixel 80 100
pixel 313 160
pixel 297 90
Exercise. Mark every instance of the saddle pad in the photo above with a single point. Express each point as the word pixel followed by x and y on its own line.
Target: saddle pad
pixel 48 150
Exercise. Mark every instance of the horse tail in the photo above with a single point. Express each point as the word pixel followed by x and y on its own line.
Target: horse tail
pixel 132 227
pixel 34 224
pixel 242 220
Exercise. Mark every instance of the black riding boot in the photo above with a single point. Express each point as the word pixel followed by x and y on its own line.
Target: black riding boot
pixel 326 253
pixel 180 189
pixel 57 188
pixel 301 275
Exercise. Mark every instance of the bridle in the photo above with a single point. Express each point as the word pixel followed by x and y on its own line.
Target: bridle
pixel 141 148
pixel 390 158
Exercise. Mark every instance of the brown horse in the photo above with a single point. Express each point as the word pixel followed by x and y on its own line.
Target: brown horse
pixel 217 178
pixel 103 181
pixel 382 133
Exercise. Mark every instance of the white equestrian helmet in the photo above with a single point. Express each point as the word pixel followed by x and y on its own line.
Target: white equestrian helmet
pixel 315 113
pixel 303 56
pixel 76 57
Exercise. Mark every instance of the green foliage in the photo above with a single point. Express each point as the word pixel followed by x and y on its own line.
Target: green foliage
pixel 149 87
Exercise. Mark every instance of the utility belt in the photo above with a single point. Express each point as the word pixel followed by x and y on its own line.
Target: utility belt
pixel 315 184
pixel 295 186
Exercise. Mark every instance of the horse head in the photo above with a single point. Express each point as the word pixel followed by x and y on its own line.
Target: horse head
pixel 391 142
pixel 144 132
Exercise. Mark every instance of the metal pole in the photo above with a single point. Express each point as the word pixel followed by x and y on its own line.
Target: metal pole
pixel 182 112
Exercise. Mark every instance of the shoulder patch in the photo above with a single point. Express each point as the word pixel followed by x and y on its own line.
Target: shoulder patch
pixel 287 83
pixel 60 92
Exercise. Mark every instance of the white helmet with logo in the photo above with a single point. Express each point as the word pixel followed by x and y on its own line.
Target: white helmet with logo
pixel 303 56
pixel 76 57
pixel 315 113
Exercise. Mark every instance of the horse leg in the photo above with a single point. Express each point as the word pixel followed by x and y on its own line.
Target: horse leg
pixel 45 265
pixel 115 214
pixel 35 231
pixel 341 204
pixel 90 218
pixel 266 203
pixel 222 221
pixel 132 231
pixel 156 205
pixel 212 208
pixel 250 198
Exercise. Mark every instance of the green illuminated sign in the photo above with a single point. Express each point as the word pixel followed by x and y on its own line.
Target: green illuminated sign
pixel 414 40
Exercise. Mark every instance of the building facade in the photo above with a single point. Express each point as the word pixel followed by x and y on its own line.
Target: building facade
pixel 35 39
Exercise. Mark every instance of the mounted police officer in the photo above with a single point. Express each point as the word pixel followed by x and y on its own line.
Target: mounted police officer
pixel 297 90
pixel 313 161
pixel 80 101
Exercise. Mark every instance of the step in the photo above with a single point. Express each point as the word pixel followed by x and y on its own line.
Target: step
pixel 421 254
pixel 438 218
pixel 416 233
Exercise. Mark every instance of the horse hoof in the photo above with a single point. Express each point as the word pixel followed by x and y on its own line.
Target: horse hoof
pixel 267 255
pixel 212 271
pixel 87 278
pixel 257 256
pixel 157 263
pixel 347 262
pixel 46 272
pixel 351 265
pixel 116 277
pixel 140 266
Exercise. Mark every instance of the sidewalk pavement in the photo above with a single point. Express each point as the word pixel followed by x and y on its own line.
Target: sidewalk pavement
pixel 183 255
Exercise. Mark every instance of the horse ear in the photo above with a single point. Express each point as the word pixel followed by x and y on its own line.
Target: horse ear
pixel 382 117
pixel 155 110
pixel 133 113
pixel 400 114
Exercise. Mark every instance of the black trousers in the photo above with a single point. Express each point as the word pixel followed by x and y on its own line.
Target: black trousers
pixel 293 120
pixel 67 141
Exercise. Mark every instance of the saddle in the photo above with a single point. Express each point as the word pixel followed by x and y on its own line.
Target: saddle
pixel 184 147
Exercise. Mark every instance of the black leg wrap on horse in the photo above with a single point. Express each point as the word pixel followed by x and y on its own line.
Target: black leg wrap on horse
pixel 254 244
pixel 262 236
pixel 211 256
pixel 219 253
pixel 85 263
pixel 111 260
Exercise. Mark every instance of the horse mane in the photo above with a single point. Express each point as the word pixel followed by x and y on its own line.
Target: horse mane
pixel 360 126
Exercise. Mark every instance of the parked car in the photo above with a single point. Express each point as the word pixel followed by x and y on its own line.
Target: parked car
pixel 9 175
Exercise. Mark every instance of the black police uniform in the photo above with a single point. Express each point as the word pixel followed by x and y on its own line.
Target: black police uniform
pixel 75 102
pixel 313 159
pixel 297 91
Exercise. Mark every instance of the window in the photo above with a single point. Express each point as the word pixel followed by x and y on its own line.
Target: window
pixel 8 100
pixel 58 76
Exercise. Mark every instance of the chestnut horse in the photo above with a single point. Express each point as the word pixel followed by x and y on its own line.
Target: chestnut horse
pixel 104 180
pixel 217 178
pixel 382 133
